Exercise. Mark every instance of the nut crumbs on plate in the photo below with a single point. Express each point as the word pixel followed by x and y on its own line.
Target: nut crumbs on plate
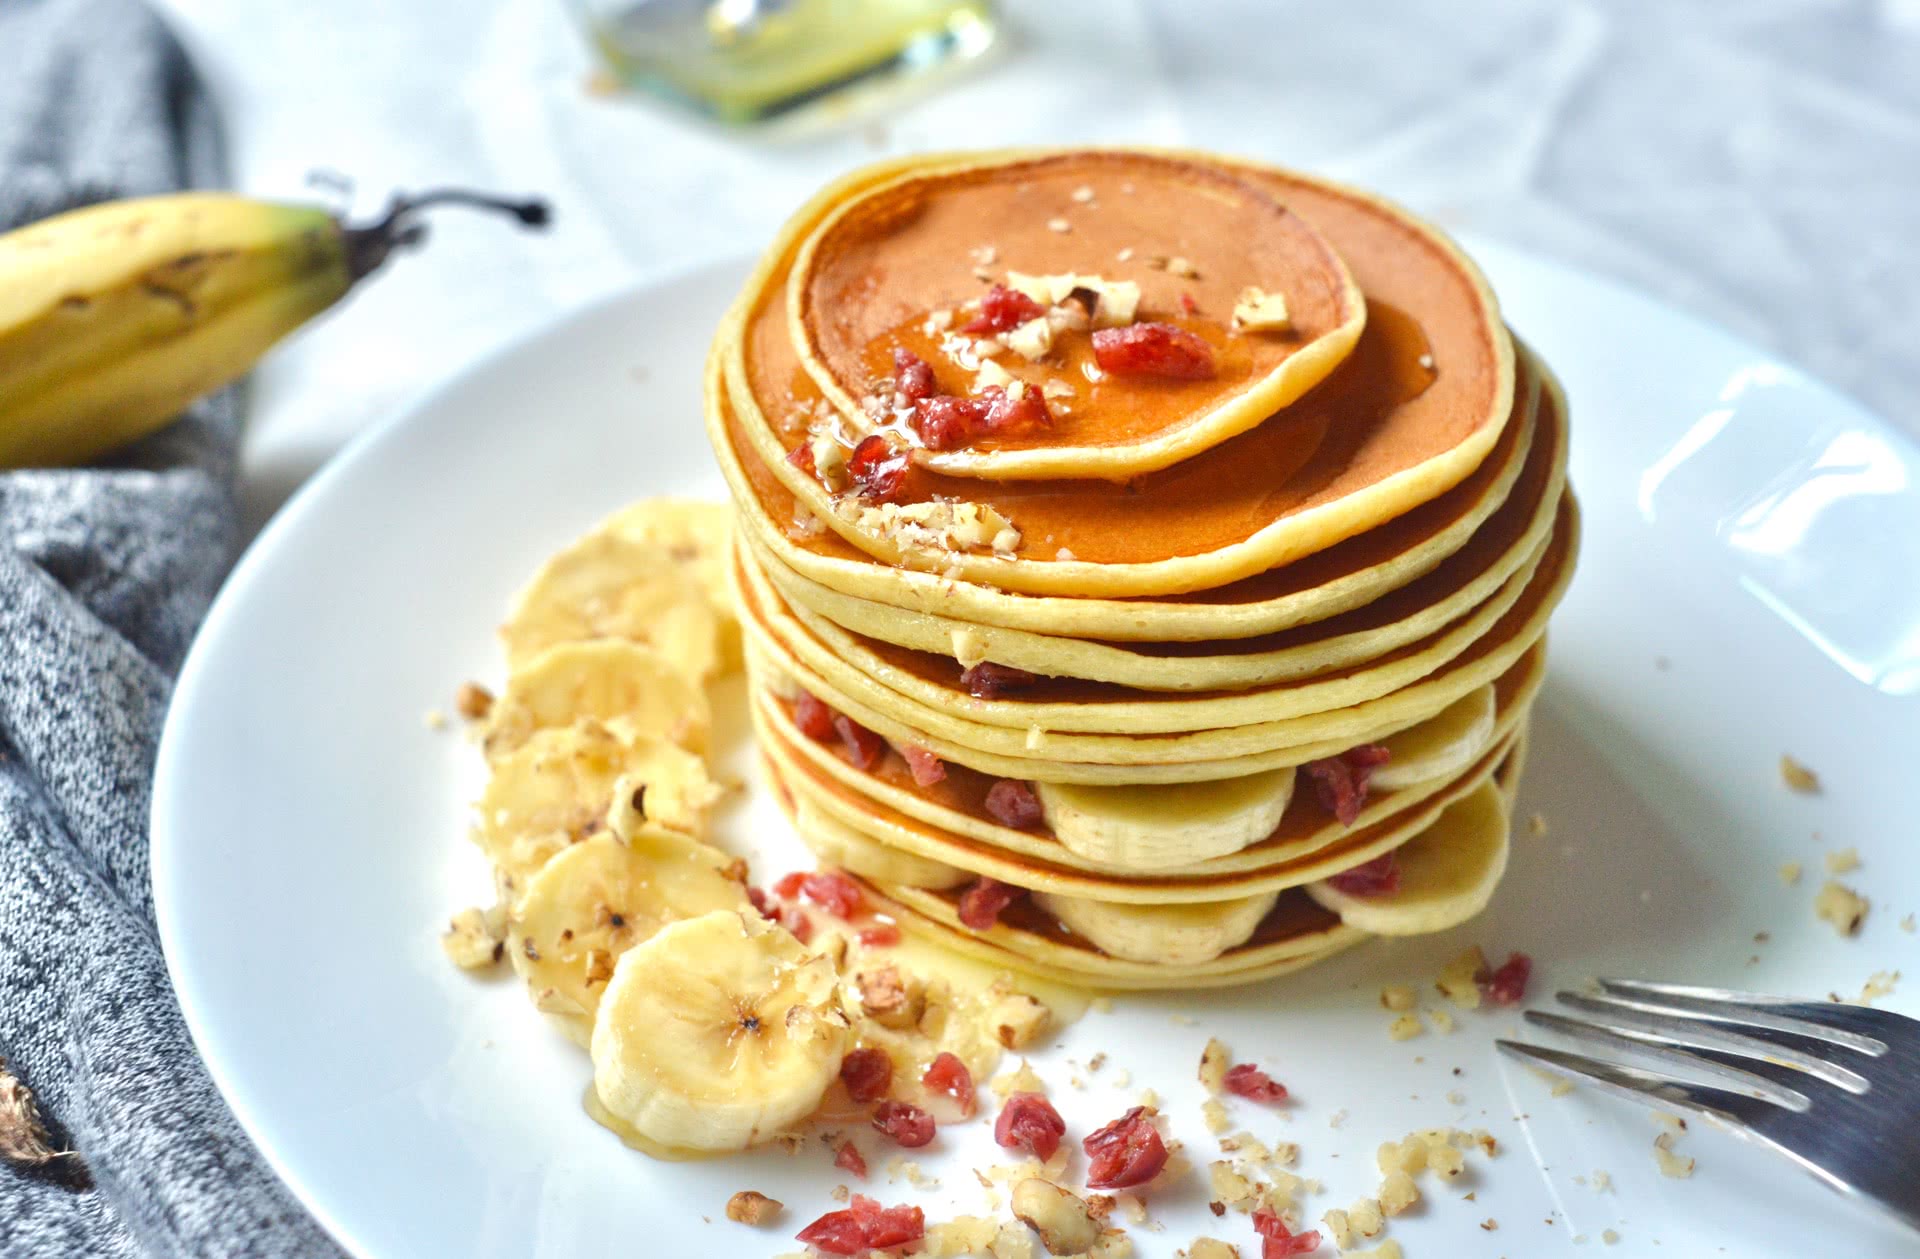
pixel 749 1206
pixel 1841 906
pixel 1846 859
pixel 1798 777
pixel 1790 872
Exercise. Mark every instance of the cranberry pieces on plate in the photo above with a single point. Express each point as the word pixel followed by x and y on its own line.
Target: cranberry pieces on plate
pixel 947 1074
pixel 904 1123
pixel 863 1226
pixel 1153 349
pixel 1126 1152
pixel 1248 1081
pixel 867 1074
pixel 1029 1122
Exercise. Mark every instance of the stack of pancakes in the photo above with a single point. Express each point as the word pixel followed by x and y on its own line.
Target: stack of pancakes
pixel 1213 665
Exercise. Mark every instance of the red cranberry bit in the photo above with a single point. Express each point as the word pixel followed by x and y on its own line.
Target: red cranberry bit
pixel 833 892
pixel 763 903
pixel 946 421
pixel 849 1159
pixel 798 923
pixel 813 717
pixel 1029 1122
pixel 1379 877
pixel 1278 1241
pixel 927 768
pixel 1012 803
pixel 904 1123
pixel 787 886
pixel 879 471
pixel 982 903
pixel 1341 781
pixel 1002 310
pixel 1126 1152
pixel 1250 1082
pixel 1008 416
pixel 864 747
pixel 912 376
pixel 947 1074
pixel 1507 983
pixel 1153 349
pixel 988 680
pixel 801 457
pixel 880 936
pixel 1188 304
pixel 865 1225
pixel 867 1073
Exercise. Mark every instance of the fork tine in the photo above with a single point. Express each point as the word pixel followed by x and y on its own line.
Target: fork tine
pixel 1646 1087
pixel 1652 1045
pixel 1753 1010
pixel 1756 1052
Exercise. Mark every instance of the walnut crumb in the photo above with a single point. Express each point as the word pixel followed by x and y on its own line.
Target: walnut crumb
pixel 435 719
pixel 474 939
pixel 1790 872
pixel 1843 861
pixel 1909 924
pixel 473 701
pixel 1610 1237
pixel 1841 906
pixel 1677 1166
pixel 1397 997
pixel 1537 826
pixel 1798 777
pixel 1406 1027
pixel 1057 224
pixel 752 1207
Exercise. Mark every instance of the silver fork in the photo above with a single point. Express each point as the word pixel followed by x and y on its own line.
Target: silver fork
pixel 1835 1088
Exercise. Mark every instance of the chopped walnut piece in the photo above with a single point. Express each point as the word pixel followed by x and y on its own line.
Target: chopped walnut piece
pixel 1057 224
pixel 1214 1112
pixel 1675 1165
pixel 1610 1237
pixel 599 966
pixel 1537 826
pixel 1879 984
pixel 1340 1227
pixel 1446 1162
pixel 1459 981
pixel 472 940
pixel 1406 1027
pixel 1798 777
pixel 1018 1020
pixel 1211 1248
pixel 1790 872
pixel 1257 310
pixel 1442 1021
pixel 1841 906
pixel 1059 1215
pixel 752 1207
pixel 1910 924
pixel 1397 997
pixel 1385 1250
pixel 473 701
pixel 1215 1060
pixel 1843 861
pixel 1021 1080
pixel 882 991
pixel 1181 267
pixel 1398 1193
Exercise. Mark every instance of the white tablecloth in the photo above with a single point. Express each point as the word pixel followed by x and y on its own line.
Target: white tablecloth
pixel 1757 162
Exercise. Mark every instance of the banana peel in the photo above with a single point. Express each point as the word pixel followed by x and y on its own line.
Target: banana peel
pixel 116 317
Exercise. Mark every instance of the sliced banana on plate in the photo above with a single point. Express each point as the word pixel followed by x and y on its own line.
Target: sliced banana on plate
pixel 837 844
pixel 699 537
pixel 718 1033
pixel 607 681
pixel 1161 826
pixel 598 898
pixel 610 586
pixel 1447 872
pixel 562 784
pixel 1443 745
pixel 1178 935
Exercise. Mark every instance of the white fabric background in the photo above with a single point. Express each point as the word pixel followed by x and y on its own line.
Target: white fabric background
pixel 1757 161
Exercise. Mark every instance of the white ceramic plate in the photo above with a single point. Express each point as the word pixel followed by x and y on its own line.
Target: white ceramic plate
pixel 1748 588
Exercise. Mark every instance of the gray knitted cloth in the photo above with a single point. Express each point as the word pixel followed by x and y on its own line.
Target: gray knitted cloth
pixel 104 574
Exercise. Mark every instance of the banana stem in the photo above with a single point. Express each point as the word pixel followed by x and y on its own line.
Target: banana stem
pixel 369 246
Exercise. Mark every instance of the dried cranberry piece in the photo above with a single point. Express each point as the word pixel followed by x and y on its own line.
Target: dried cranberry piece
pixel 801 457
pixel 1188 304
pixel 798 923
pixel 849 1159
pixel 904 1123
pixel 912 376
pixel 982 903
pixel 1029 1122
pixel 864 747
pixel 988 680
pixel 1379 877
pixel 1507 983
pixel 1126 1152
pixel 880 936
pixel 864 1225
pixel 947 421
pixel 833 892
pixel 1250 1082
pixel 927 768
pixel 1012 803
pixel 1010 416
pixel 947 1074
pixel 1153 349
pixel 1003 309
pixel 867 1073
pixel 787 886
pixel 762 902
pixel 1341 781
pixel 1277 1241
pixel 878 470
pixel 813 716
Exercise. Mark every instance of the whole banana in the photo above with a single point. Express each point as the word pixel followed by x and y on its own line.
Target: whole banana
pixel 114 317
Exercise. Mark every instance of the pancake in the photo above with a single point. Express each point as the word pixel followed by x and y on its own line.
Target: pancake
pixel 864 281
pixel 1409 413
pixel 1505 541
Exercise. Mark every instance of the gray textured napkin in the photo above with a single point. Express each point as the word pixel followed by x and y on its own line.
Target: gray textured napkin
pixel 104 574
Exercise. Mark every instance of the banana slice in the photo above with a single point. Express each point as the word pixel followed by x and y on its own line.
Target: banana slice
pixel 1441 746
pixel 1164 825
pixel 699 537
pixel 718 1033
pixel 560 786
pixel 837 844
pixel 1447 872
pixel 597 899
pixel 623 684
pixel 1178 935
pixel 610 586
